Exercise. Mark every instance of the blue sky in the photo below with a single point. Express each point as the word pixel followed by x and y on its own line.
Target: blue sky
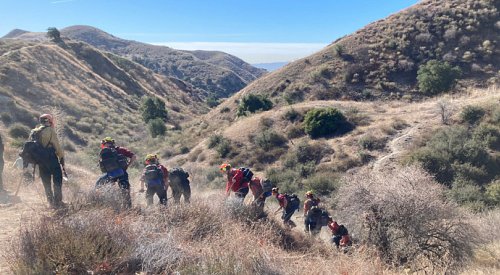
pixel 263 25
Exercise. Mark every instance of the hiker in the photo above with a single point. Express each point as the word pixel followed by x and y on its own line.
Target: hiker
pixel 261 189
pixel 1 165
pixel 340 235
pixel 237 180
pixel 156 177
pixel 179 183
pixel 289 204
pixel 50 159
pixel 312 214
pixel 310 202
pixel 114 161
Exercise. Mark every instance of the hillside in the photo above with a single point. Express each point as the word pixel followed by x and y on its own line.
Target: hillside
pixel 380 61
pixel 100 93
pixel 211 74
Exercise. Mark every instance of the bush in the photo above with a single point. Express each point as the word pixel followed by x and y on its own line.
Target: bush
pixel 292 115
pixel 370 142
pixel 435 77
pixel 403 215
pixel 322 183
pixel 324 122
pixel 157 127
pixel 153 108
pixel 223 148
pixel 472 114
pixel 452 152
pixel 493 193
pixel 295 132
pixel 214 140
pixel 253 103
pixel 17 130
pixel 269 139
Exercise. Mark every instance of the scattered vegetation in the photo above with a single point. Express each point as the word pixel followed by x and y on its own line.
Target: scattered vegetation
pixel 153 108
pixel 157 127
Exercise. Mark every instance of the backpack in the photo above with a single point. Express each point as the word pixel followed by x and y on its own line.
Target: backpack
pixel 110 161
pixel 33 151
pixel 178 178
pixel 267 187
pixel 153 175
pixel 293 201
pixel 247 174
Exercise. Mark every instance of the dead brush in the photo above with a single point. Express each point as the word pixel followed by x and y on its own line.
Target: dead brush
pixel 74 245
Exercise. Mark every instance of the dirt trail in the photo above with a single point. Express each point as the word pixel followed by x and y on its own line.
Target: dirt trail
pixel 17 210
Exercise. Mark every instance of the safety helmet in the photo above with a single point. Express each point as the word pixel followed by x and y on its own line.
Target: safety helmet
pixel 309 194
pixel 225 167
pixel 47 119
pixel 150 158
pixel 275 190
pixel 107 141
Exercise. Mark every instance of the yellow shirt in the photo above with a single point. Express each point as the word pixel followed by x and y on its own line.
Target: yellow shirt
pixel 48 138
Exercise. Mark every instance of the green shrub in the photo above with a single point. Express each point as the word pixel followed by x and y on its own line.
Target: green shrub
pixel 322 183
pixel 324 122
pixel 489 135
pixel 452 153
pixel 225 110
pixel 370 142
pixel 493 193
pixel 472 114
pixel 338 50
pixel 435 77
pixel 157 127
pixel 223 148
pixel 84 127
pixel 292 115
pixel 153 108
pixel 269 139
pixel 214 140
pixel 253 103
pixel 212 102
pixel 184 150
pixel 287 180
pixel 17 130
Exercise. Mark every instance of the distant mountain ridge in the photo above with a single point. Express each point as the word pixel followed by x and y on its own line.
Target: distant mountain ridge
pixel 270 66
pixel 212 74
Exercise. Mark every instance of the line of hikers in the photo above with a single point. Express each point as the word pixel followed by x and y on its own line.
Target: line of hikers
pixel 44 150
pixel 241 181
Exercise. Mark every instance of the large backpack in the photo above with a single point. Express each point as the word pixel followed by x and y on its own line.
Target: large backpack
pixel 325 217
pixel 153 175
pixel 247 174
pixel 178 178
pixel 33 151
pixel 293 202
pixel 111 162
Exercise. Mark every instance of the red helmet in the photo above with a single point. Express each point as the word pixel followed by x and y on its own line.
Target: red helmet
pixel 46 119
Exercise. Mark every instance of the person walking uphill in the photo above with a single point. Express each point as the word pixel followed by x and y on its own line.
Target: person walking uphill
pixel 52 159
pixel 156 177
pixel 237 181
pixel 114 161
pixel 312 214
pixel 179 183
pixel 289 204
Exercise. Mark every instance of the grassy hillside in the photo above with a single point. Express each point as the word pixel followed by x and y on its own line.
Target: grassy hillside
pixel 210 74
pixel 99 93
pixel 381 60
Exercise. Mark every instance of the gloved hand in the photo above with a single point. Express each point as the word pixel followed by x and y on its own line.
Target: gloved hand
pixel 61 161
